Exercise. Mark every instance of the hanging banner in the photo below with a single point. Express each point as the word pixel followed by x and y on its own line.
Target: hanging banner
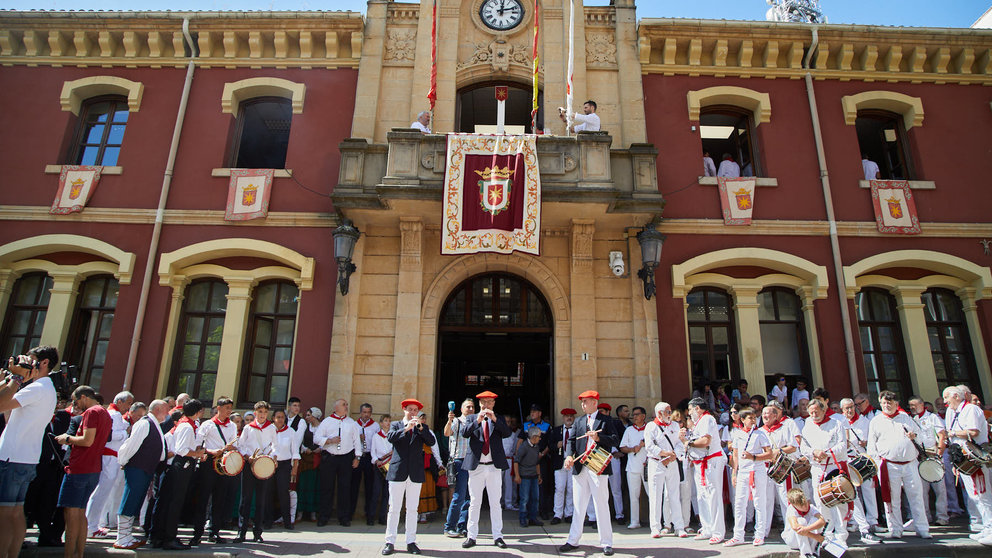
pixel 895 210
pixel 76 185
pixel 736 199
pixel 248 196
pixel 492 195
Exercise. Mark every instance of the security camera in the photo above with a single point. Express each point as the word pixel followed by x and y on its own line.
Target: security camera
pixel 616 263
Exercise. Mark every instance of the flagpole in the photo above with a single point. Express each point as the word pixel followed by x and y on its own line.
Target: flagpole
pixel 533 112
pixel 571 64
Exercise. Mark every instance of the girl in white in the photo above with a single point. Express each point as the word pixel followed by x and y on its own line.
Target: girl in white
pixel 750 446
pixel 780 391
pixel 709 461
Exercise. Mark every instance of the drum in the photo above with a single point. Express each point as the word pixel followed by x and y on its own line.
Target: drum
pixel 779 469
pixel 597 459
pixel 263 467
pixel 384 468
pixel 979 453
pixel 931 469
pixel 862 468
pixel 964 462
pixel 802 470
pixel 836 491
pixel 229 464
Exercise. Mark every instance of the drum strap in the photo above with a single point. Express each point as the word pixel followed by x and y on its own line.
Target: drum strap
pixel 221 432
pixel 704 462
pixel 671 445
pixel 883 479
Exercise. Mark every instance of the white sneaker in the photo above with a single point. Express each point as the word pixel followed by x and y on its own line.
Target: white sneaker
pixel 987 541
pixel 634 526
pixel 682 534
pixel 977 536
pixel 976 527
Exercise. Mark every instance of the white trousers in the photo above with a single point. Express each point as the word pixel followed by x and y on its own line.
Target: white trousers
pixel 941 494
pixel 635 481
pixel 804 545
pixel 615 487
pixel 686 488
pixel 834 516
pixel 97 503
pixel 979 505
pixel 563 493
pixel 664 496
pixel 489 479
pixel 906 477
pixel 775 493
pixel 397 490
pixel 710 497
pixel 109 519
pixel 758 493
pixel 862 507
pixel 585 486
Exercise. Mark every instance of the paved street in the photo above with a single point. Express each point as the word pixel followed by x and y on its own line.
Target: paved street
pixel 361 541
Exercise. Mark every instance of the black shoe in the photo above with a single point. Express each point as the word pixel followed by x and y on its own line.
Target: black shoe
pixel 567 519
pixel 382 521
pixel 567 547
pixel 555 520
pixel 174 545
pixel 468 543
pixel 388 549
pixel 257 538
pixel 463 533
pixel 289 527
pixel 589 523
pixel 195 541
pixel 536 523
pixel 239 539
pixel 500 543
pixel 370 522
pixel 345 522
pixel 607 551
pixel 156 544
pixel 321 522
pixel 217 539
pixel 412 548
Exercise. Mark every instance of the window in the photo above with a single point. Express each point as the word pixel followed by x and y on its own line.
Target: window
pixel 89 336
pixel 882 349
pixel 950 346
pixel 493 302
pixel 270 347
pixel 261 136
pixel 882 138
pixel 477 106
pixel 730 130
pixel 201 329
pixel 101 131
pixel 712 342
pixel 783 335
pixel 26 313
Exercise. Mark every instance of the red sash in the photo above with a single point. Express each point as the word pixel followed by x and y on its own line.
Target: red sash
pixel 704 462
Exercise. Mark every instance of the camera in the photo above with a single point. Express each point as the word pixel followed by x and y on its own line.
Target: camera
pixel 65 379
pixel 616 263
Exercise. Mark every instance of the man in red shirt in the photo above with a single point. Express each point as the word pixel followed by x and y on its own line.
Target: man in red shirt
pixel 85 463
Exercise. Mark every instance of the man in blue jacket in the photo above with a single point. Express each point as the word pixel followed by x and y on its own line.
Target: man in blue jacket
pixel 485 462
pixel 406 473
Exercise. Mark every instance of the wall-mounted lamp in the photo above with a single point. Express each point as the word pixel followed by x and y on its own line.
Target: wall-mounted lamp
pixel 650 241
pixel 345 238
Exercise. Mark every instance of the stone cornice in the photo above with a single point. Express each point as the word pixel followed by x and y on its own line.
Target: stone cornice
pixel 845 52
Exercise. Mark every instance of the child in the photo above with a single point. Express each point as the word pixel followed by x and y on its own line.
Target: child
pixel 750 446
pixel 799 393
pixel 779 391
pixel 381 452
pixel 803 524
pixel 527 474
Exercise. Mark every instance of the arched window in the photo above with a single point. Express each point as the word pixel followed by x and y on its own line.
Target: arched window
pixel 477 107
pixel 89 335
pixel 950 345
pixel 261 133
pixel 498 301
pixel 201 330
pixel 101 131
pixel 26 313
pixel 882 350
pixel 882 139
pixel 783 335
pixel 269 351
pixel 730 130
pixel 712 337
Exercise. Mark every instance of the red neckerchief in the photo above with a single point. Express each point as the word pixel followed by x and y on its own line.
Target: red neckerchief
pixel 661 424
pixel 381 433
pixel 127 417
pixel 802 513
pixel 746 430
pixel 895 414
pixel 641 429
pixel 870 409
pixel 855 419
pixel 113 407
pixel 284 428
pixel 186 420
pixel 254 424
pixel 921 414
pixel 829 413
pixel 219 423
pixel 366 424
pixel 778 424
pixel 826 417
pixel 335 416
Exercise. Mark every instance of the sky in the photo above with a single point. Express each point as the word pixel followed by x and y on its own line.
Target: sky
pixel 913 13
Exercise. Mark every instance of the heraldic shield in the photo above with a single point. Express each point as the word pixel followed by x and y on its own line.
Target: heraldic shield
pixel 494 189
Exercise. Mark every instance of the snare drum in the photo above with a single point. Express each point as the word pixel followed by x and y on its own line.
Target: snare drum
pixel 963 461
pixel 229 464
pixel 979 453
pixel 862 468
pixel 836 491
pixel 597 459
pixel 779 469
pixel 384 468
pixel 263 467
pixel 931 469
pixel 801 470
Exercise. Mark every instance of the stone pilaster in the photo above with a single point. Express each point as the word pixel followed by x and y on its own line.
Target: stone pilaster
pixel 341 365
pixel 970 308
pixel 749 336
pixel 409 289
pixel 807 296
pixel 65 289
pixel 914 334
pixel 583 303
pixel 632 124
pixel 369 73
pixel 178 285
pixel 232 343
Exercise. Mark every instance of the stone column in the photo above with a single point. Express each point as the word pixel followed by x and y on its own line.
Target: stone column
pixel 914 334
pixel 449 19
pixel 65 289
pixel 232 343
pixel 632 126
pixel 970 308
pixel 341 363
pixel 807 296
pixel 178 284
pixel 583 303
pixel 369 73
pixel 406 343
pixel 7 279
pixel 749 336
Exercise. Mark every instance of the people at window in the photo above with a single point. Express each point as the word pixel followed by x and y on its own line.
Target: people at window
pixel 728 167
pixel 586 121
pixel 870 168
pixel 423 121
pixel 709 167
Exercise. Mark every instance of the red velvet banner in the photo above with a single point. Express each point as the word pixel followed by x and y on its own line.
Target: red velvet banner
pixel 493 192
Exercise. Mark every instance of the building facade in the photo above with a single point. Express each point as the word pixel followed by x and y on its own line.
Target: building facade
pixel 150 287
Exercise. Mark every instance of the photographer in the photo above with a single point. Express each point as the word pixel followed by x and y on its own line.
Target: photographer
pixel 28 396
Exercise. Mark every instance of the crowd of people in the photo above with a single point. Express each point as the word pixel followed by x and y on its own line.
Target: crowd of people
pixel 822 469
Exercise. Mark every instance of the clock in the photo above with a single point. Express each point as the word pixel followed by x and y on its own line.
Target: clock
pixel 501 15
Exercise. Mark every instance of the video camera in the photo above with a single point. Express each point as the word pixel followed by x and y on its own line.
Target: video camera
pixel 65 378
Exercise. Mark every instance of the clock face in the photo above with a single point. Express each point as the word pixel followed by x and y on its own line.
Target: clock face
pixel 501 15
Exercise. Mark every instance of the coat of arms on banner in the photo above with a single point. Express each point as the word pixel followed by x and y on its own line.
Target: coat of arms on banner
pixel 492 195
pixel 76 185
pixel 736 199
pixel 895 209
pixel 248 197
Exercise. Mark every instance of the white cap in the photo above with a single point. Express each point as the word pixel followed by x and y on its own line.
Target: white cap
pixel 316 413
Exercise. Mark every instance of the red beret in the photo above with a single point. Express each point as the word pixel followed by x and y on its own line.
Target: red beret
pixel 486 395
pixel 604 406
pixel 407 402
pixel 589 394
pixel 568 411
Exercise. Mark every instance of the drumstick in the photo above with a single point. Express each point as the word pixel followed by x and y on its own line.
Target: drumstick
pixel 588 433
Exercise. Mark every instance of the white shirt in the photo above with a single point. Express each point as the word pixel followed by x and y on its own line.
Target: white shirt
pixel 857 432
pixel 632 437
pixel 752 441
pixel 967 417
pixel 706 426
pixel 416 124
pixel 655 440
pixel 209 434
pixel 334 426
pixel 729 169
pixel 285 448
pixel 803 520
pixel 800 423
pixel 709 168
pixel 253 437
pixel 586 122
pixel 184 437
pixel 21 439
pixel 139 432
pixel 366 432
pixel 830 436
pixel 779 393
pixel 931 426
pixel 887 437
pixel 784 435
pixel 300 429
pixel 798 394
pixel 870 168
pixel 380 446
pixel 118 429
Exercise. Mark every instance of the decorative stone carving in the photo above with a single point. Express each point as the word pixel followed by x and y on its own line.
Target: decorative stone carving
pixel 601 48
pixel 401 45
pixel 500 55
pixel 582 231
pixel 570 163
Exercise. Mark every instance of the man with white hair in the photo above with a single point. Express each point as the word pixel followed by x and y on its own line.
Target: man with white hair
pixel 423 121
pixel 662 445
pixel 966 422
pixel 140 455
pixel 97 504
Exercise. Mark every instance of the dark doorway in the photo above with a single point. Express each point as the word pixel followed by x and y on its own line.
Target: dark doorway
pixel 477 106
pixel 495 333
